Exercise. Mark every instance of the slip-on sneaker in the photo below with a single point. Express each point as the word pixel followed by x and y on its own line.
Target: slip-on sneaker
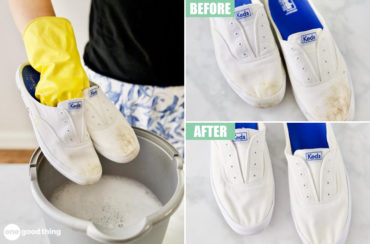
pixel 248 55
pixel 60 132
pixel 242 180
pixel 319 188
pixel 318 73
pixel 112 135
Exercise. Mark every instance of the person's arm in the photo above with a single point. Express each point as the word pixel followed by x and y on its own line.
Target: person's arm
pixel 25 10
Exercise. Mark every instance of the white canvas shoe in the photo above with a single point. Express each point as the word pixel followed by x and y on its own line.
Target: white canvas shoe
pixel 248 56
pixel 111 134
pixel 242 180
pixel 320 79
pixel 61 132
pixel 318 183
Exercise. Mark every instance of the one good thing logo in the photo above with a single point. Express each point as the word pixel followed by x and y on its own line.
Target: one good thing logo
pixel 13 232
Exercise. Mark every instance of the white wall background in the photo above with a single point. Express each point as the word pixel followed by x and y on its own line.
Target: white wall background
pixel 15 127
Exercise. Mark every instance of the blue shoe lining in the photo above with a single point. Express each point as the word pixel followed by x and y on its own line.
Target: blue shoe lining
pixel 239 3
pixel 307 136
pixel 246 126
pixel 297 16
pixel 30 78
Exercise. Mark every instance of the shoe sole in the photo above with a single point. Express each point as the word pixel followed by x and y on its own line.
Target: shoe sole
pixel 351 112
pixel 49 156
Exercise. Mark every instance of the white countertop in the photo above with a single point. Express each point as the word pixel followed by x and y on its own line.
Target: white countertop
pixel 209 97
pixel 17 206
pixel 205 223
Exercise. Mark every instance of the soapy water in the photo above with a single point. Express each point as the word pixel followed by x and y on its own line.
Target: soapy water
pixel 113 202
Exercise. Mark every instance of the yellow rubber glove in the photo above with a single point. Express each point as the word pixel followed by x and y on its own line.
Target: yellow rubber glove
pixel 51 49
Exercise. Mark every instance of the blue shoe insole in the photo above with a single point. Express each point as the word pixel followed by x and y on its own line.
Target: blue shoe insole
pixel 293 16
pixel 307 136
pixel 30 78
pixel 239 3
pixel 246 126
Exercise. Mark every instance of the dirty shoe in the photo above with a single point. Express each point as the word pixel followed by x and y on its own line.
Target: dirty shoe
pixel 248 56
pixel 242 180
pixel 111 134
pixel 318 184
pixel 61 132
pixel 317 70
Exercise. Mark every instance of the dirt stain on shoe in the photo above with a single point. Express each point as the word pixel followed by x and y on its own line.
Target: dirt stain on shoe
pixel 125 139
pixel 91 169
pixel 337 102
pixel 266 89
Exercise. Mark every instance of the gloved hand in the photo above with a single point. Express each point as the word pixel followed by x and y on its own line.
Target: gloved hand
pixel 51 49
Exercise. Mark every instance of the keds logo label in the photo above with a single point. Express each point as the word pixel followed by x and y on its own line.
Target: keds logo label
pixel 308 38
pixel 243 14
pixel 311 156
pixel 241 136
pixel 75 105
pixel 93 92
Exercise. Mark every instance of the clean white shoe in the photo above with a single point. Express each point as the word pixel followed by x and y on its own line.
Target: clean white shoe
pixel 321 81
pixel 318 183
pixel 242 180
pixel 61 132
pixel 112 135
pixel 248 56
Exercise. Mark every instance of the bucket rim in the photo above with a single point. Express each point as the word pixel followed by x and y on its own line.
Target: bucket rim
pixel 93 231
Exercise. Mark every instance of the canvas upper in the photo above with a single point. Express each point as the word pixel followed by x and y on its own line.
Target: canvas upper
pixel 242 180
pixel 111 134
pixel 248 56
pixel 317 70
pixel 319 192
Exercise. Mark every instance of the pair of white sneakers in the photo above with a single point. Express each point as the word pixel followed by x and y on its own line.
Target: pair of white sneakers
pixel 70 133
pixel 243 184
pixel 249 58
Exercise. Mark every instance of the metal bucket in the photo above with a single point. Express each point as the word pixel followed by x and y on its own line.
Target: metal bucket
pixel 158 166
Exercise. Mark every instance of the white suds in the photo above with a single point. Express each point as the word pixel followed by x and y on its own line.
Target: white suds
pixel 113 202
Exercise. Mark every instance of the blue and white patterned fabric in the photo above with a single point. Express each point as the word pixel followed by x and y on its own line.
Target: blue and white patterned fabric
pixel 157 109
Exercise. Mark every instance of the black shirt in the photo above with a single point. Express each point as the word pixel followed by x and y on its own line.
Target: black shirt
pixel 137 41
